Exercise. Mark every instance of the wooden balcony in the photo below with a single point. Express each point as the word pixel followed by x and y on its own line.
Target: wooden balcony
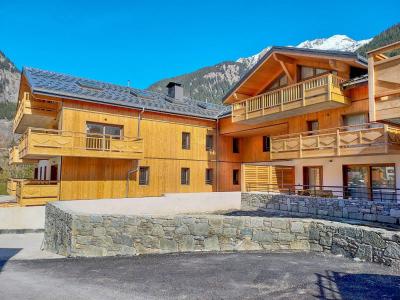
pixel 36 192
pixel 367 139
pixel 46 143
pixel 12 186
pixel 13 157
pixel 323 92
pixel 384 83
pixel 35 113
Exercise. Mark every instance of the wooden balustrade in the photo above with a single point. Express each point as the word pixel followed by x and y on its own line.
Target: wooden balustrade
pixel 371 138
pixel 34 112
pixel 36 192
pixel 384 84
pixel 291 99
pixel 44 143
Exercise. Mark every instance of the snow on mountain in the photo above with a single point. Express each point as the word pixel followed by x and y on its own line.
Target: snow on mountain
pixel 336 42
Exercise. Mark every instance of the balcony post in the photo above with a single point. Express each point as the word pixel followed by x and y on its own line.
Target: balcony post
pixel 303 94
pixel 300 146
pixel 281 99
pixel 371 88
pixel 329 87
pixel 338 142
pixel 386 137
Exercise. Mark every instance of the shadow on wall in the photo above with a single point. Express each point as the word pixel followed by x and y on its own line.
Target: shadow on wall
pixel 337 285
pixel 6 254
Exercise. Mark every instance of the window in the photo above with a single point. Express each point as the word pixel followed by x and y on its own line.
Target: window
pixel 355 119
pixel 185 176
pixel 266 144
pixel 186 140
pixel 235 177
pixel 144 173
pixel 312 125
pixel 45 173
pixel 308 72
pixel 97 129
pixel 375 182
pixel 235 145
pixel 279 82
pixel 36 174
pixel 209 176
pixel 209 142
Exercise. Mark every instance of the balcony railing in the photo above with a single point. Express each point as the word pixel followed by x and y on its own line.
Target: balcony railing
pixel 292 100
pixel 34 112
pixel 36 192
pixel 12 186
pixel 370 138
pixel 45 143
pixel 13 156
pixel 384 82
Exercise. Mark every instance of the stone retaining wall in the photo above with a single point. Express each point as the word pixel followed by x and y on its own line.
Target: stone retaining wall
pixel 374 211
pixel 74 234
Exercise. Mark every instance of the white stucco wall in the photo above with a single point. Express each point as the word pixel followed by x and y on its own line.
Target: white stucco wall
pixel 333 167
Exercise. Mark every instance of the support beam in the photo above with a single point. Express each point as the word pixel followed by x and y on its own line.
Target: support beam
pixel 338 65
pixel 371 89
pixel 240 96
pixel 281 59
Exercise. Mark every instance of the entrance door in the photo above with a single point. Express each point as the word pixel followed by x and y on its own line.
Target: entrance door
pixel 312 177
pixel 54 173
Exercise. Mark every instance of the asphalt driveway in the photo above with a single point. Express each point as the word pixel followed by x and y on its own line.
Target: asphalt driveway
pixel 199 276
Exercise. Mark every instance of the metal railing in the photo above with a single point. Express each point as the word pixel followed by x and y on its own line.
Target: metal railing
pixel 383 194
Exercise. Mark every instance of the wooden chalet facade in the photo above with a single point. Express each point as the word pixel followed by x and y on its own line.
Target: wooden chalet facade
pixel 300 116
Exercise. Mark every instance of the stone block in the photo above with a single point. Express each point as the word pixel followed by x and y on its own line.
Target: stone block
pixel 262 236
pixel 322 212
pixel 229 232
pixel 364 252
pixel 374 239
pixel 395 213
pixel 283 207
pixel 300 245
pixel 338 213
pixel 283 236
pixel 182 230
pixel 296 227
pixel 186 243
pixel 369 217
pixel 256 222
pixel 279 224
pixel 392 250
pixel 99 231
pixel 199 229
pixel 158 230
pixel 355 216
pixel 168 245
pixel 303 209
pixel 247 245
pixel 386 219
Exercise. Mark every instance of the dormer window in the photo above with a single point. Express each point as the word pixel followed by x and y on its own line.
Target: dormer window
pixel 308 72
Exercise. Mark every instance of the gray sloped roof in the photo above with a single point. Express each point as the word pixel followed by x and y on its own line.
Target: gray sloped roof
pixel 71 87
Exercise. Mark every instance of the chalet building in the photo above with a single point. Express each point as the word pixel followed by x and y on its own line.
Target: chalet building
pixel 298 119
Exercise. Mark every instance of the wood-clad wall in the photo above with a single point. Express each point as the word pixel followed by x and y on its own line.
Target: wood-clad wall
pixel 93 178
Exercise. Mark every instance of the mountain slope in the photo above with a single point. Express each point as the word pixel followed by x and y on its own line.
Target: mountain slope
pixel 211 83
pixel 9 80
pixel 387 37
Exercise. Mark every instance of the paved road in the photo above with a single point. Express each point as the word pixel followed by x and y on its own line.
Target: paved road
pixel 199 276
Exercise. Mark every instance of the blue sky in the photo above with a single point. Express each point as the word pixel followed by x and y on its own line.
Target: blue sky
pixel 144 41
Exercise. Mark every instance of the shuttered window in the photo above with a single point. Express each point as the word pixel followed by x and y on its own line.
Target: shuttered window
pixel 186 140
pixel 266 144
pixel 209 142
pixel 209 176
pixel 235 177
pixel 185 176
pixel 144 173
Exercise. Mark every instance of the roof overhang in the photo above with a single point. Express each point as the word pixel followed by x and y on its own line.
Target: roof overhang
pixel 272 62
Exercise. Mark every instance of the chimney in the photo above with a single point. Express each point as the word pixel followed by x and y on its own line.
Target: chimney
pixel 175 90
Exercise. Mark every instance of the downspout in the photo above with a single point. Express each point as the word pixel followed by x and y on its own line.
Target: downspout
pixel 217 152
pixel 130 172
